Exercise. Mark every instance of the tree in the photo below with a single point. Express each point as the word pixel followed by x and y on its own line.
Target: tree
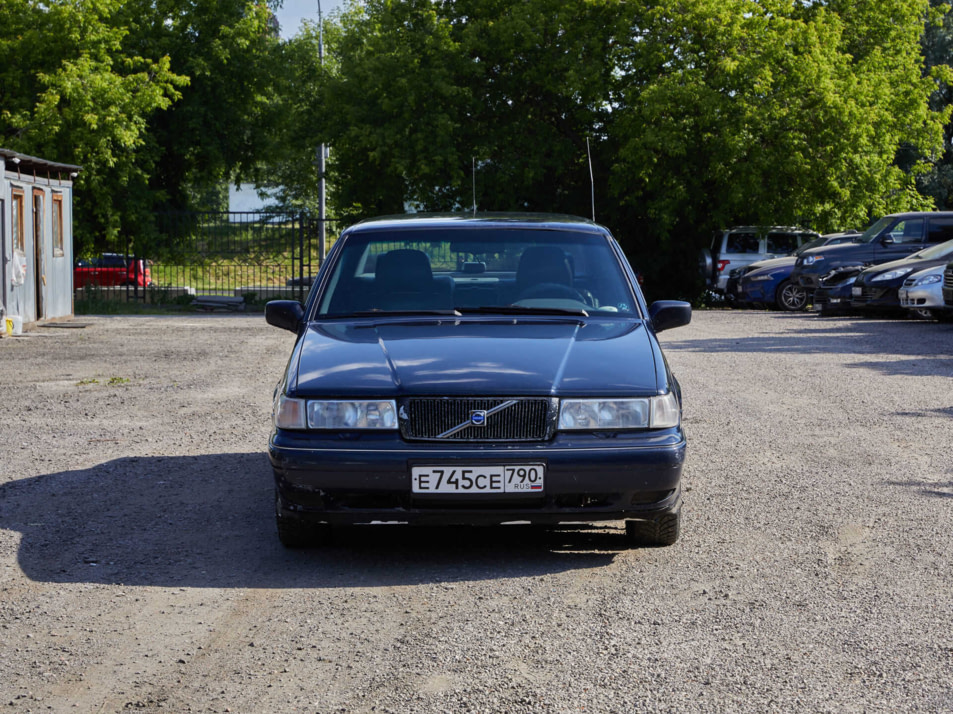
pixel 700 113
pixel 741 112
pixel 225 125
pixel 71 94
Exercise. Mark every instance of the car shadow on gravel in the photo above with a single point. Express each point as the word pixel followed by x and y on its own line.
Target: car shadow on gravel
pixel 208 521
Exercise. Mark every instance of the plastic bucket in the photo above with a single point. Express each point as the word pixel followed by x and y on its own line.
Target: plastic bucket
pixel 14 325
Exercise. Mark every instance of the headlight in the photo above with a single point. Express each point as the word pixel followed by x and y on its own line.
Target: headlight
pixel 597 414
pixel 811 259
pixel 928 280
pixel 891 275
pixel 335 414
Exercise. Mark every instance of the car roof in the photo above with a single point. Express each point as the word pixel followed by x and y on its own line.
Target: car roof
pixel 795 229
pixel 541 221
pixel 919 214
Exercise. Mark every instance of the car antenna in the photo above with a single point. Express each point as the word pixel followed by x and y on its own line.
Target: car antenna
pixel 473 183
pixel 592 180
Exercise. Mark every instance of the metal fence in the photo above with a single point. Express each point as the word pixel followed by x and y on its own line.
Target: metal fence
pixel 254 255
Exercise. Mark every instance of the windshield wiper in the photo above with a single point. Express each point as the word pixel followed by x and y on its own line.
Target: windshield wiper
pixel 521 310
pixel 398 313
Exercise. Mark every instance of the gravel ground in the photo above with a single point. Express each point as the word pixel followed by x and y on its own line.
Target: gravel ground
pixel 139 568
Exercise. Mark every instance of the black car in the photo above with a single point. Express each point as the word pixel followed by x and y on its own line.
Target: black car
pixel 477 371
pixel 833 293
pixel 876 288
pixel 891 238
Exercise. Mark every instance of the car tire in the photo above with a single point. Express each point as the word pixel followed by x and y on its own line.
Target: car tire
pixel 297 533
pixel 659 531
pixel 790 297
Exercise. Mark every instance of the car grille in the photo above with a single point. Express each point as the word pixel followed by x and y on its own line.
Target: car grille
pixel 948 278
pixel 867 293
pixel 452 419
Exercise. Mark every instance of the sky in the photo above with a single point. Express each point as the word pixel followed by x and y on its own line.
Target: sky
pixel 292 12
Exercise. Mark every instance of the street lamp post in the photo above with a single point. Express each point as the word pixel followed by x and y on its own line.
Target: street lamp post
pixel 322 155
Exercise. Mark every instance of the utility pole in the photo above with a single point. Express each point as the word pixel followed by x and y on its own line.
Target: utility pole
pixel 322 155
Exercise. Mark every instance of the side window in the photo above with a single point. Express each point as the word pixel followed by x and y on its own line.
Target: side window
pixel 782 242
pixel 941 230
pixel 57 226
pixel 908 231
pixel 742 243
pixel 19 238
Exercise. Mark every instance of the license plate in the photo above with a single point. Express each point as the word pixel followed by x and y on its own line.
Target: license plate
pixel 479 478
pixel 856 292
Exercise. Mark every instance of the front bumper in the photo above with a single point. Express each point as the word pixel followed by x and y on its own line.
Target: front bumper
pixel 865 297
pixel 368 479
pixel 922 297
pixel 806 278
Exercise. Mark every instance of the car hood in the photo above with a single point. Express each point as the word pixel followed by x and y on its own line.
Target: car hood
pixel 841 250
pixel 511 356
pixel 915 264
pixel 786 261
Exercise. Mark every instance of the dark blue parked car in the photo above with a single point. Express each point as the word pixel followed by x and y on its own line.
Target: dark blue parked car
pixel 768 282
pixel 477 370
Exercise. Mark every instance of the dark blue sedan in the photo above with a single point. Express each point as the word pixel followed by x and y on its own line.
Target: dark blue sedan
pixel 769 283
pixel 477 370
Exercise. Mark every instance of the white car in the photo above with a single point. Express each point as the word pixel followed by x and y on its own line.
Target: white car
pixel 922 294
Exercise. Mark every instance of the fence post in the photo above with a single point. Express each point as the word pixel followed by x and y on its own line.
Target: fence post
pixel 300 223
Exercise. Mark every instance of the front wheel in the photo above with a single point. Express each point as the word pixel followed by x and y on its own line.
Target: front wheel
pixel 658 531
pixel 790 297
pixel 296 532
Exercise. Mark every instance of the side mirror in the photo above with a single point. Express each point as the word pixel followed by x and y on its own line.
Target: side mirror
pixel 286 314
pixel 887 240
pixel 666 314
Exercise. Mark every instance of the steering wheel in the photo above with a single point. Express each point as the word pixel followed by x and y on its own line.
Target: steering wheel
pixel 552 290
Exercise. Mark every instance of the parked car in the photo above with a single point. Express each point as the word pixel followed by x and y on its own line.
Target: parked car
pixel 891 238
pixel 477 370
pixel 833 292
pixel 922 294
pixel 768 282
pixel 743 245
pixel 112 269
pixel 948 286
pixel 876 288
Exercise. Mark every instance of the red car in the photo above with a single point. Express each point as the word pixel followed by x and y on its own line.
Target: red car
pixel 112 269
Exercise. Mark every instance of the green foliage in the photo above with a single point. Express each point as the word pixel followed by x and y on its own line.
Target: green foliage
pixel 224 124
pixel 697 114
pixel 700 113
pixel 71 94
pixel 161 103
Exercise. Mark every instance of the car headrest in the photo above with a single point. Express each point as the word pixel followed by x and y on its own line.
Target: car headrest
pixel 403 269
pixel 543 264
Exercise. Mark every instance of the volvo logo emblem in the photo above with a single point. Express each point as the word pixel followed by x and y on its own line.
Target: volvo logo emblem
pixel 478 417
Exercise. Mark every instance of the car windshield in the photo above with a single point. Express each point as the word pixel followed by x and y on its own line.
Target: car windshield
pixel 814 243
pixel 476 270
pixel 875 230
pixel 935 252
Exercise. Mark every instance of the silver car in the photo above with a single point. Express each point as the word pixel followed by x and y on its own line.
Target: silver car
pixel 922 294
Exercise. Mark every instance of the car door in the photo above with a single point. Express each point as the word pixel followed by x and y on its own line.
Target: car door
pixel 939 230
pixel 903 237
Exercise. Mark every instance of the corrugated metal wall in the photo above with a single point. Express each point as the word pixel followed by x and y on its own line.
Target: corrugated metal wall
pixel 47 290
